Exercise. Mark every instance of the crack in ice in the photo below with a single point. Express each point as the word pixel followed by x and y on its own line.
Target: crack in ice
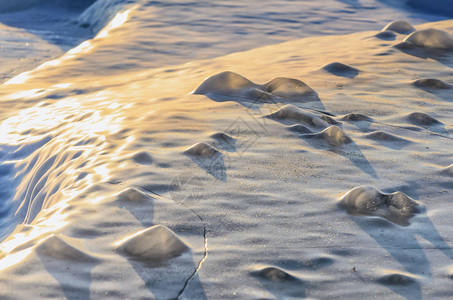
pixel 205 254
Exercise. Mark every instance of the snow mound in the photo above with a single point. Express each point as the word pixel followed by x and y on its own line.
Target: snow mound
pixel 399 26
pixel 133 195
pixel 422 119
pixel 157 243
pixel 353 117
pixel 290 113
pixel 64 248
pixel 333 135
pixel 397 278
pixel 386 137
pixel 397 207
pixel 448 170
pixel 288 88
pixel 340 69
pixel 209 159
pixel 386 35
pixel 229 85
pixel 432 84
pixel 273 274
pixel 225 83
pixel 224 141
pixel 279 281
pixel 202 150
pixel 430 38
pixel 143 158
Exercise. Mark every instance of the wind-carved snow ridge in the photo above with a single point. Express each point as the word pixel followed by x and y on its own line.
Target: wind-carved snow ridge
pixel 98 15
pixel 53 157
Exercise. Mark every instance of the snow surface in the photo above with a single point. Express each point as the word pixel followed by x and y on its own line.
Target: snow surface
pixel 177 31
pixel 225 150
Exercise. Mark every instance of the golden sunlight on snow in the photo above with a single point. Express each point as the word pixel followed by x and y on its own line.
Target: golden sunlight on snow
pixel 234 159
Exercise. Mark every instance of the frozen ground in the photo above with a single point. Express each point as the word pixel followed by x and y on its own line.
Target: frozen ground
pixel 157 161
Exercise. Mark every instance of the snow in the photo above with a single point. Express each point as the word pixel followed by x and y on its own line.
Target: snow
pixel 221 150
